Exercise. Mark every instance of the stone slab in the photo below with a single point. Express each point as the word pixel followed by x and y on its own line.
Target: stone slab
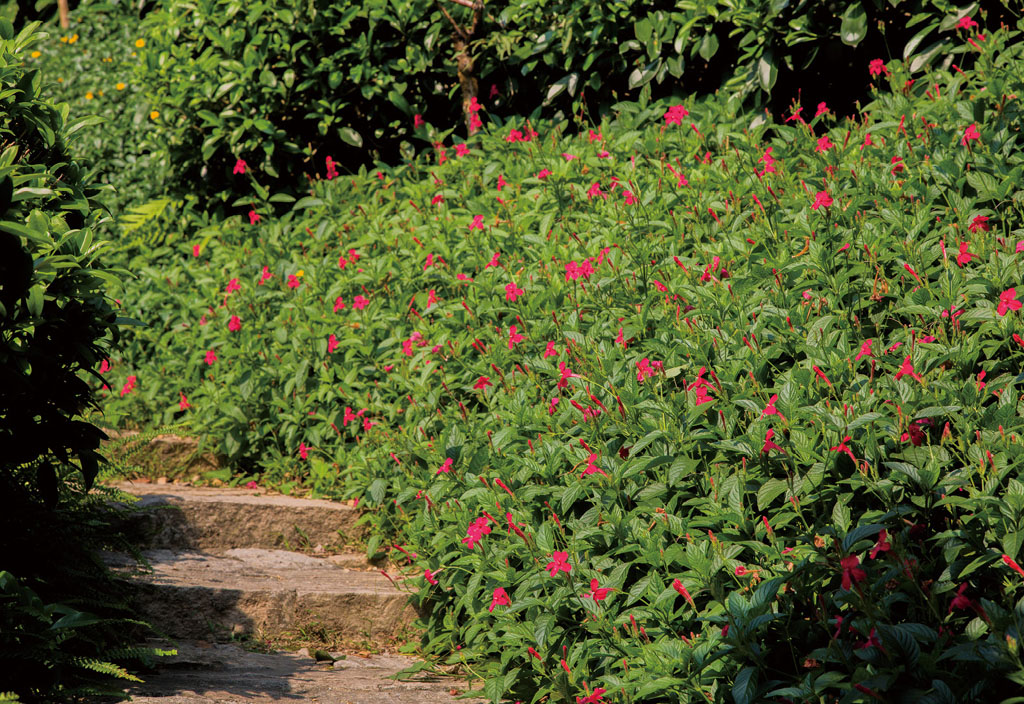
pixel 207 518
pixel 205 673
pixel 267 593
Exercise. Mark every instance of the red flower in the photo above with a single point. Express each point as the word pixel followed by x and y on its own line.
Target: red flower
pixel 360 302
pixel 592 467
pixel 235 324
pixel 964 257
pixel 332 344
pixel 595 698
pixel 211 357
pixel 865 351
pixel 559 563
pixel 980 222
pixel 183 403
pixel 429 576
pixel 678 586
pixel 293 281
pixel 303 450
pixel 852 574
pixel 960 601
pixel 332 170
pixel 769 444
pixel 512 292
pixel 232 286
pixel 824 144
pixel 543 173
pixel 514 337
pixel 475 532
pixel 907 369
pixel 129 385
pixel 1008 301
pixel 239 167
pixel 877 67
pixel 597 593
pixel 675 115
pixel 483 382
pixel 595 190
pixel 1008 561
pixel 971 134
pixel 843 447
pixel 771 410
pixel 254 217
pixel 882 545
pixel 500 599
pixel 478 223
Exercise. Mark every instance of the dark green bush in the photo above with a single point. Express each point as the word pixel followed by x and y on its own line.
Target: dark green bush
pixel 284 85
pixel 61 622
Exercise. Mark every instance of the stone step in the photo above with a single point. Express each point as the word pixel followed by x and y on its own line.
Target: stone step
pixel 207 673
pixel 205 518
pixel 270 594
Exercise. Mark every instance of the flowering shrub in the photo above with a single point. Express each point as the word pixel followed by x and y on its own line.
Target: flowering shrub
pixel 718 409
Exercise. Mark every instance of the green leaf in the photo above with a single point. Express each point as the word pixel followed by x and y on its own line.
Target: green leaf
pixel 854 26
pixel 744 687
pixel 767 71
pixel 350 136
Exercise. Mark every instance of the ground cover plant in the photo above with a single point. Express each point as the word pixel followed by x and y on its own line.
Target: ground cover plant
pixel 688 406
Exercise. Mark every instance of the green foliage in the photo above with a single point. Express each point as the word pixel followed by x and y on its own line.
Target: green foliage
pixel 55 319
pixel 767 392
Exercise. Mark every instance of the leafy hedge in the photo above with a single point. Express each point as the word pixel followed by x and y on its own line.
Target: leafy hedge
pixel 281 86
pixel 697 405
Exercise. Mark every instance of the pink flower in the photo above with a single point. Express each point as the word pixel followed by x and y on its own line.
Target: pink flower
pixel 597 594
pixel 551 406
pixel 567 156
pixel 660 286
pixel 822 199
pixel 254 217
pixel 877 67
pixel 843 447
pixel 966 23
pixel 360 302
pixel 417 121
pixel 824 144
pixel 592 467
pixel 514 337
pixel 678 586
pixel 907 369
pixel 543 173
pixel 822 109
pixel 239 167
pixel 483 382
pixel 500 598
pixel 865 351
pixel 550 350
pixel 195 250
pixel 427 574
pixel 963 256
pixel 445 467
pixel 332 344
pixel 645 370
pixel 293 281
pixel 769 444
pixel 437 199
pixel 265 276
pixel 852 574
pixel 478 223
pixel 232 286
pixel 980 222
pixel 105 364
pixel 461 149
pixel 559 563
pixel 129 385
pixel 595 190
pixel 431 297
pixel 1008 301
pixel 303 450
pixel 971 134
pixel 771 410
pixel 512 292
pixel 494 260
pixel 339 304
pixel 211 357
pixel 332 170
pixel 675 115
pixel 475 532
pixel 235 324
pixel 183 404
pixel 501 182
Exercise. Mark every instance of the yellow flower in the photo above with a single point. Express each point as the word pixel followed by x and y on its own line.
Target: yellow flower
pixel 120 86
pixel 36 54
pixel 88 95
pixel 300 273
pixel 100 93
pixel 60 80
pixel 154 115
pixel 139 43
pixel 73 39
pixel 64 40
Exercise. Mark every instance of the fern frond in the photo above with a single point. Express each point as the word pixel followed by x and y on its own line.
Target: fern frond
pixel 8 698
pixel 104 668
pixel 141 214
